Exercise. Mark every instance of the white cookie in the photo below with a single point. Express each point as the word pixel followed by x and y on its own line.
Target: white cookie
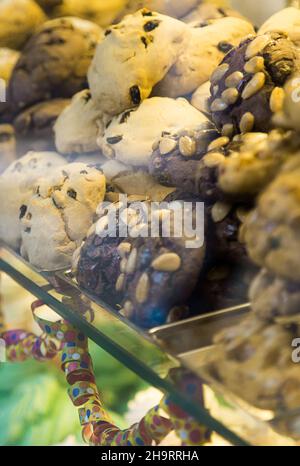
pixel 78 126
pixel 130 136
pixel 19 19
pixel 200 98
pixel 56 219
pixel 17 184
pixel 286 20
pixel 102 12
pixel 201 55
pixel 134 56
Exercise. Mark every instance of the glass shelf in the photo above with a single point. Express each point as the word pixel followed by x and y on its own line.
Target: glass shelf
pixel 154 356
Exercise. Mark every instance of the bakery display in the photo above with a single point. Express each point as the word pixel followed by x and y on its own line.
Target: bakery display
pixel 247 87
pixel 108 108
pixel 56 218
pixel 54 62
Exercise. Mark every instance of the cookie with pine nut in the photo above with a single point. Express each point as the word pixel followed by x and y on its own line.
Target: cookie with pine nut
pixel 273 297
pixel 56 219
pixel 253 359
pixel 247 87
pixel 137 272
pixel 205 46
pixel 254 161
pixel 129 137
pixel 148 44
pixel 54 62
pixel 176 156
pixel 163 277
pixel 34 126
pixel 272 230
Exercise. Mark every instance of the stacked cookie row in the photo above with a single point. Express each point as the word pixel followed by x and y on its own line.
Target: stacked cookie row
pixel 143 110
pixel 254 359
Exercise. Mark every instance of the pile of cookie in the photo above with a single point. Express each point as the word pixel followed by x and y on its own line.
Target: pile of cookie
pixel 172 102
pixel 254 358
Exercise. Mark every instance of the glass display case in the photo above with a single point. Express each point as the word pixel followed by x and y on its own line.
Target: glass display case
pixel 170 356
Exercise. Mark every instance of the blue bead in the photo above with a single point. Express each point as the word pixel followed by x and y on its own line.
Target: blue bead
pixel 76 392
pixel 48 329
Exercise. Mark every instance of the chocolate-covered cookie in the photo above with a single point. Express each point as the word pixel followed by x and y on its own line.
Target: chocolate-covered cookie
pixel 34 126
pixel 54 62
pixel 148 276
pixel 247 87
pixel 176 159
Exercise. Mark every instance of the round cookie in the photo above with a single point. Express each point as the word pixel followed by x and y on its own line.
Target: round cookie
pixel 272 230
pixel 8 151
pixel 247 86
pixel 164 277
pixel 254 161
pixel 79 124
pixel 253 360
pixel 8 59
pixel 17 184
pixel 55 220
pixel 176 160
pixel 34 126
pixel 272 297
pixel 204 48
pixel 130 136
pixel 148 45
pixel 54 62
pixel 19 19
pixel 147 276
pixel 287 21
pixel 102 12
